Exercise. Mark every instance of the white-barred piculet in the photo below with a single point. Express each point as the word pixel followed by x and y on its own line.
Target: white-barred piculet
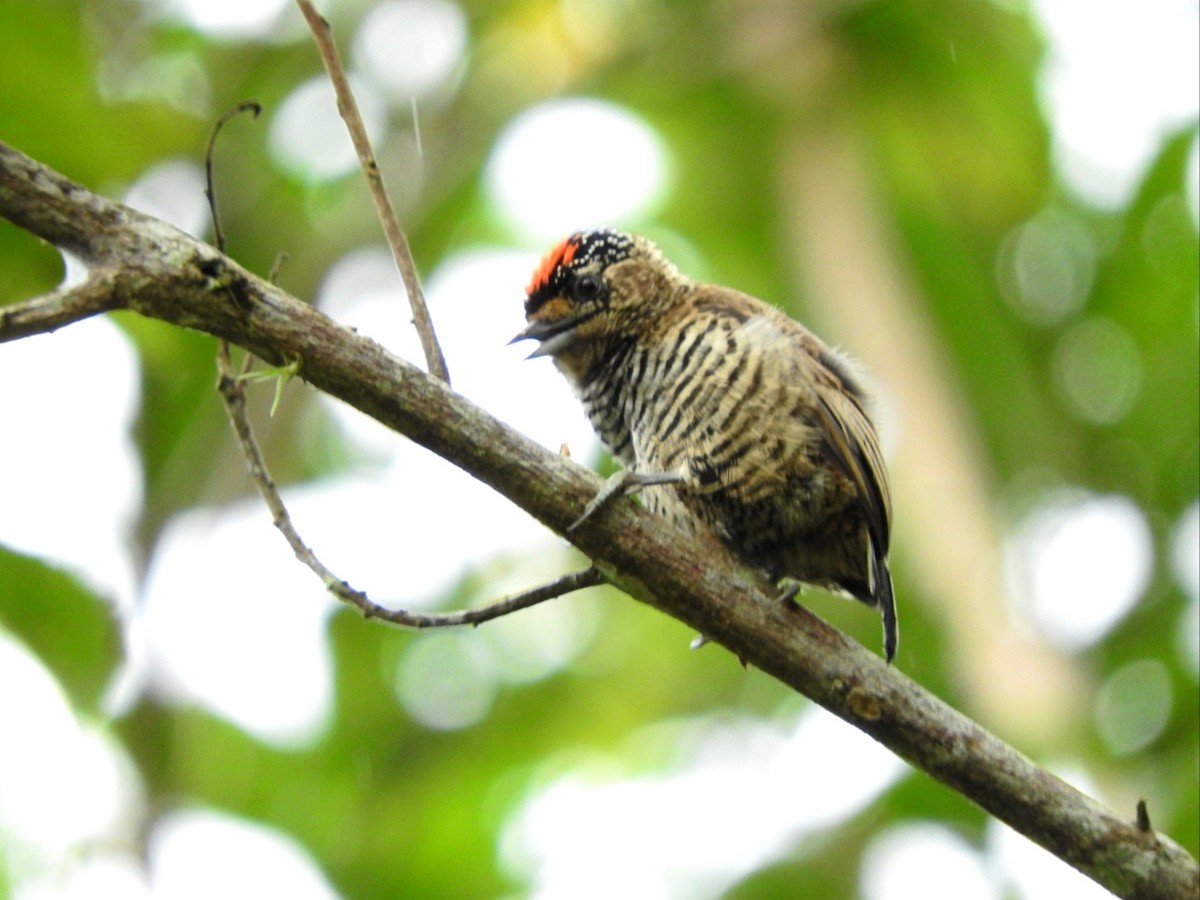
pixel 726 414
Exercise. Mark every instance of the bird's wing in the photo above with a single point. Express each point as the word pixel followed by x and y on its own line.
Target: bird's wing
pixel 836 408
pixel 850 442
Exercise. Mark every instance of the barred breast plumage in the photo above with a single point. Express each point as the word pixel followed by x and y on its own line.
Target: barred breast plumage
pixel 760 427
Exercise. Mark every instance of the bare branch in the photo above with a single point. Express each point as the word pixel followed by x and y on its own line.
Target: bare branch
pixel 209 190
pixel 162 273
pixel 232 389
pixel 566 584
pixel 52 311
pixel 348 108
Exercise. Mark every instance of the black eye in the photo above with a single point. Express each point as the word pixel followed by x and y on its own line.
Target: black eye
pixel 585 289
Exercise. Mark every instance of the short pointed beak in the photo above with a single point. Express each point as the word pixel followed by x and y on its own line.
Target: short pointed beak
pixel 534 331
pixel 554 336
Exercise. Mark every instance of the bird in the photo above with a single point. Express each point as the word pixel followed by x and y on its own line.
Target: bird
pixel 726 415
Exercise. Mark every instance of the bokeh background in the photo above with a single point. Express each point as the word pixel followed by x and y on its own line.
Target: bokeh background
pixel 992 204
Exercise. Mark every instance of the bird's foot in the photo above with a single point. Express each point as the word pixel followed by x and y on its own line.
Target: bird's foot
pixel 623 483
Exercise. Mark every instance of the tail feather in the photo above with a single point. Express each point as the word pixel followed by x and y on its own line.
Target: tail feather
pixel 876 591
pixel 885 600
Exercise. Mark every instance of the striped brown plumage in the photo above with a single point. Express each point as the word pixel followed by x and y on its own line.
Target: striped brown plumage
pixel 761 428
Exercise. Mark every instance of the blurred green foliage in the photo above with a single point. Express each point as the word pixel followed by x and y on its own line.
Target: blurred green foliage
pixel 960 155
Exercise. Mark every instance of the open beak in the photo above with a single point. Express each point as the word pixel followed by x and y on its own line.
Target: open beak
pixel 555 336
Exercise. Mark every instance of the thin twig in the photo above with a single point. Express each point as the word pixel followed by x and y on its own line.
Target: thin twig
pixel 281 259
pixel 232 389
pixel 565 584
pixel 348 108
pixel 246 106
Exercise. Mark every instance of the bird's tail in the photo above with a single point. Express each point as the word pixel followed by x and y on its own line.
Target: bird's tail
pixel 885 599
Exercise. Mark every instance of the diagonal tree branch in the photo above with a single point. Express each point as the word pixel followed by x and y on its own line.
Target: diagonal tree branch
pixel 144 265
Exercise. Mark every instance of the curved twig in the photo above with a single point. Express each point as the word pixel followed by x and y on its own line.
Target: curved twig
pixel 232 389
pixel 210 192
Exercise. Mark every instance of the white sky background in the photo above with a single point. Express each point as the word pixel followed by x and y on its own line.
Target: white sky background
pixel 1107 119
